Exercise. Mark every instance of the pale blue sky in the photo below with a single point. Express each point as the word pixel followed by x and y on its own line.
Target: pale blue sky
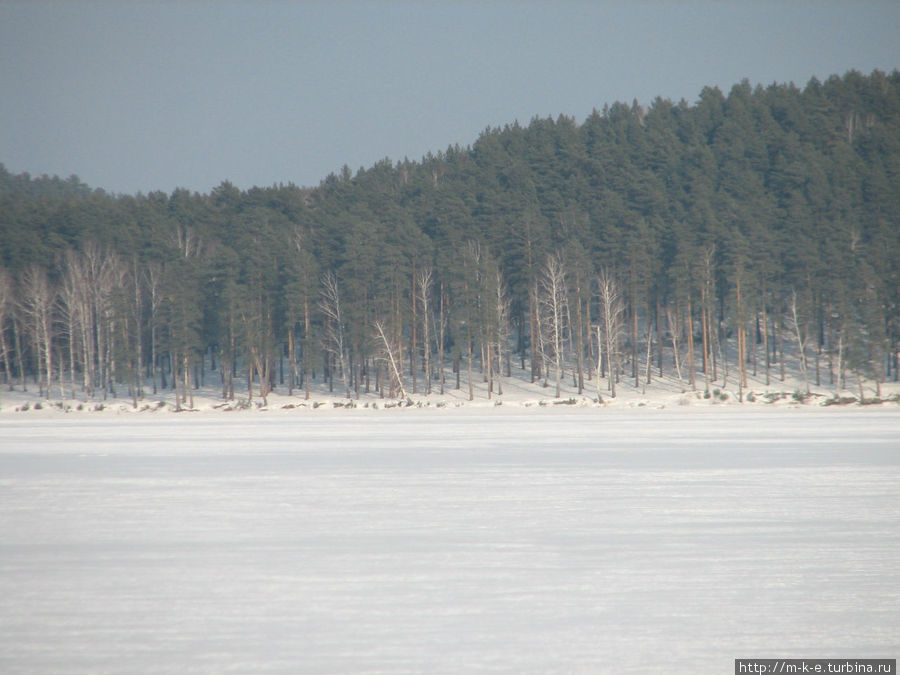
pixel 141 96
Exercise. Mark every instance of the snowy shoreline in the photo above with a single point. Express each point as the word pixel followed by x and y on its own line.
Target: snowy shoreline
pixel 665 395
pixel 787 390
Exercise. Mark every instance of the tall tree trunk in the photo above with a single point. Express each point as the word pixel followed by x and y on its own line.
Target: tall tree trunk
pixel 840 364
pixel 611 307
pixel 441 342
pixel 413 346
pixel 38 298
pixel 488 361
pixel 176 382
pixel 704 330
pixel 765 317
pixel 138 330
pixel 742 356
pixel 599 363
pixel 659 338
pixel 6 361
pixel 649 356
pixel 501 318
pixel 6 307
pixel 392 357
pixel 590 366
pixel 292 359
pixel 307 348
pixel 20 357
pixel 534 334
pixel 635 369
pixel 469 357
pixel 801 344
pixel 424 289
pixel 692 367
pixel 674 326
pixel 555 305
pixel 331 307
pixel 579 339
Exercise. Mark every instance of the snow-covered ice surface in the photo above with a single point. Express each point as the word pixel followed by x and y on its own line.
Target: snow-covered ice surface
pixel 551 540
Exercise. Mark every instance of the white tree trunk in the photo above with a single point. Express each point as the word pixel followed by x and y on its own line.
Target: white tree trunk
pixel 391 356
pixel 334 331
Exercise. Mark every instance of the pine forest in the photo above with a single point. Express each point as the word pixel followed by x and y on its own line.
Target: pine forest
pixel 748 232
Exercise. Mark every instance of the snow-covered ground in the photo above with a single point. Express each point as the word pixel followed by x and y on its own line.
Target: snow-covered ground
pixel 516 388
pixel 517 392
pixel 552 539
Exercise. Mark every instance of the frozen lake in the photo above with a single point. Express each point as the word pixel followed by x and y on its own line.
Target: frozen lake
pixel 448 541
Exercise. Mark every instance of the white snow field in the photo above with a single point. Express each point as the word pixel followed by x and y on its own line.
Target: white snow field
pixel 448 541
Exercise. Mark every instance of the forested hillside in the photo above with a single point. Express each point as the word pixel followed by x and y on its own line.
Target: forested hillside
pixel 646 235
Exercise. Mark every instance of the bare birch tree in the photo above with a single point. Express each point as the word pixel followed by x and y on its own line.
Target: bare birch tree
pixel 6 307
pixel 611 308
pixel 72 309
pixel 99 275
pixel 301 289
pixel 441 329
pixel 554 310
pixel 137 316
pixel 649 360
pixel 92 269
pixel 471 305
pixel 501 324
pixel 110 283
pixel 424 282
pixel 153 276
pixel 37 301
pixel 77 299
pixel 330 304
pixel 674 324
pixel 599 331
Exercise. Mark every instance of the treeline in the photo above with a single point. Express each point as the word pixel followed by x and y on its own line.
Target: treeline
pixel 642 238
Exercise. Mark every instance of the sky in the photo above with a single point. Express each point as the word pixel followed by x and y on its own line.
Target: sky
pixel 142 96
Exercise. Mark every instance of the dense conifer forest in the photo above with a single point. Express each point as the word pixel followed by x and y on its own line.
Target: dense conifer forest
pixel 647 236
